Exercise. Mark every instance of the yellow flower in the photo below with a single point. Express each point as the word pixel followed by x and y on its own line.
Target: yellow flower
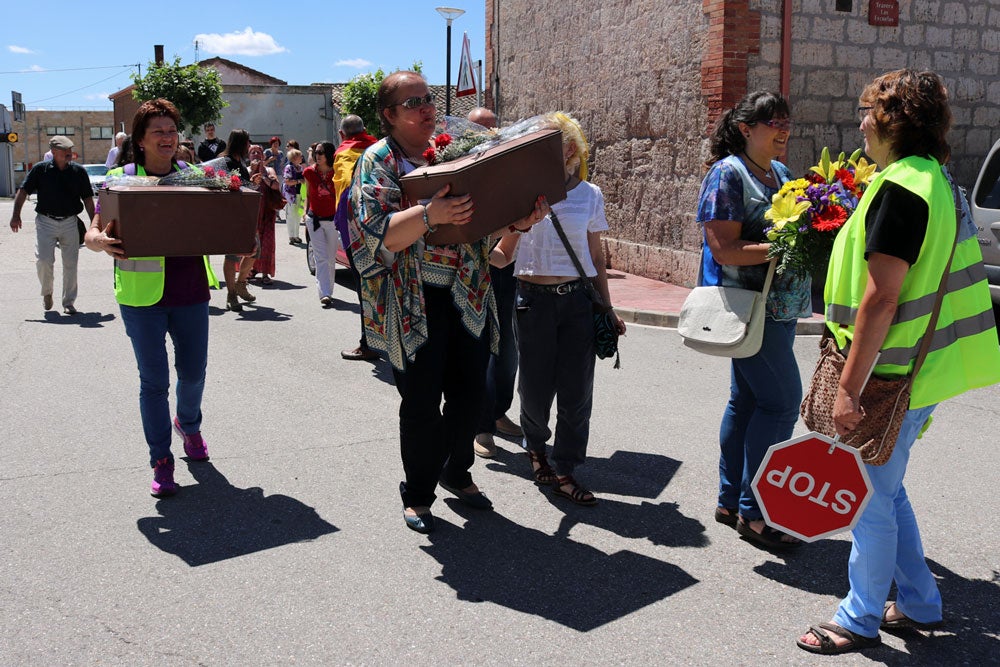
pixel 864 172
pixel 784 209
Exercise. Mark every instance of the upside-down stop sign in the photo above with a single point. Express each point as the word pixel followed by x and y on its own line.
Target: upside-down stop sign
pixel 812 487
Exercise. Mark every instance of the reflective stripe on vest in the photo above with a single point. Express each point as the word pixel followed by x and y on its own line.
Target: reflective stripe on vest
pixel 138 265
pixel 957 280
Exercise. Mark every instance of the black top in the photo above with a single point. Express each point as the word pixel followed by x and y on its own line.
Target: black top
pixel 896 223
pixel 210 149
pixel 60 191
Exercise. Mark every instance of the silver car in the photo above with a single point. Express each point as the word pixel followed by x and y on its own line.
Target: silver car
pixel 97 174
pixel 985 204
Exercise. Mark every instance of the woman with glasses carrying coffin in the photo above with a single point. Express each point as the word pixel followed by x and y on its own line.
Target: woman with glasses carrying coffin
pixel 430 308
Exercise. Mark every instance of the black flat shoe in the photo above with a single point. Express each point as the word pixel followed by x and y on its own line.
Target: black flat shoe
pixel 422 523
pixel 477 500
pixel 729 519
pixel 769 538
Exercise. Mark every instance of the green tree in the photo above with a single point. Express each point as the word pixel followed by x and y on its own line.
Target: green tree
pixel 361 94
pixel 195 91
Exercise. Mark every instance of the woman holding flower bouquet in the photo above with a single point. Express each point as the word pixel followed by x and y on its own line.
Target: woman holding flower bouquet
pixel 430 308
pixel 236 269
pixel 884 278
pixel 264 178
pixel 765 389
pixel 160 296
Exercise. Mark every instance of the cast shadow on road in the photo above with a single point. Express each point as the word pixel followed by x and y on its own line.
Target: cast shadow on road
pixel 624 473
pixel 972 616
pixel 83 320
pixel 253 312
pixel 493 559
pixel 212 520
pixel 275 284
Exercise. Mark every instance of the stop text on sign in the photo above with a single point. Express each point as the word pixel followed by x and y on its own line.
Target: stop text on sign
pixel 802 485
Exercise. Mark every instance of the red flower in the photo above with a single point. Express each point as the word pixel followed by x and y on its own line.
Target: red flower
pixel 442 140
pixel 210 172
pixel 845 177
pixel 830 219
pixel 234 182
pixel 430 155
pixel 813 177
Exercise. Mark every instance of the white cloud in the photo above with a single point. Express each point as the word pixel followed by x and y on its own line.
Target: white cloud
pixel 97 96
pixel 18 49
pixel 35 68
pixel 357 63
pixel 246 43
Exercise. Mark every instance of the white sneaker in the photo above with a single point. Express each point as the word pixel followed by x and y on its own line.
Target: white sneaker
pixel 484 445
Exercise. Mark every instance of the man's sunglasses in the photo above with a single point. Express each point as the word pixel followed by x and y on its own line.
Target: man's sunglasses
pixel 416 102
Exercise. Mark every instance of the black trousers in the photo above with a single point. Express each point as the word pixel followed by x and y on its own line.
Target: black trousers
pixel 363 342
pixel 435 442
pixel 555 336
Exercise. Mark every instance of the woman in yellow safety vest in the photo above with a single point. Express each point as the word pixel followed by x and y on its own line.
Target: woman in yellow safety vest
pixel 160 296
pixel 885 271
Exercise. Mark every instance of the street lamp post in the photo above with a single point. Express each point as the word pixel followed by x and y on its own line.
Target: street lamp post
pixel 449 14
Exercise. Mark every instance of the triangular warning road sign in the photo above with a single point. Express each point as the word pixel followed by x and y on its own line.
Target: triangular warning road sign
pixel 466 76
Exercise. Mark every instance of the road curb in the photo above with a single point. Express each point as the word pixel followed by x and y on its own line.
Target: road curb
pixel 652 318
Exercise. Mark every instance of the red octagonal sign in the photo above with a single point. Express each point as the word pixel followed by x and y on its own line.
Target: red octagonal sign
pixel 812 487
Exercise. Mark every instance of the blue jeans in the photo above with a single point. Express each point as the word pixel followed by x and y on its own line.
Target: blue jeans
pixel 147 327
pixel 765 393
pixel 502 370
pixel 886 546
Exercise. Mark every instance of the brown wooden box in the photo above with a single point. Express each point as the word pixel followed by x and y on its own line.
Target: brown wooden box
pixel 504 182
pixel 181 221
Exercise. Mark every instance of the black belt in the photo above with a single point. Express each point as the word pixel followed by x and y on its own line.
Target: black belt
pixel 560 289
pixel 330 219
pixel 59 217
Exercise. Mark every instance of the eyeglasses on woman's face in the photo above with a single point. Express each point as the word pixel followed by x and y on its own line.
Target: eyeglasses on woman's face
pixel 863 113
pixel 416 102
pixel 781 124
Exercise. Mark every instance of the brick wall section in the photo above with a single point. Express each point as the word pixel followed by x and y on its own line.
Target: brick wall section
pixel 630 71
pixel 733 35
pixel 835 54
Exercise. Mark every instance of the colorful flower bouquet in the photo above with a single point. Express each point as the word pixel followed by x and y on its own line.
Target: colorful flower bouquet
pixel 211 175
pixel 807 213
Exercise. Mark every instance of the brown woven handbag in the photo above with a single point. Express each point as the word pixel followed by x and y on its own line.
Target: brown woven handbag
pixel 884 400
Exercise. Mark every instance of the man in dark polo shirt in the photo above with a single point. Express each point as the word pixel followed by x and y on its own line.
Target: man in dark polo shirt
pixel 63 190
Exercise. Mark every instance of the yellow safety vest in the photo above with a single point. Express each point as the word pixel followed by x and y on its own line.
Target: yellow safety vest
pixel 964 353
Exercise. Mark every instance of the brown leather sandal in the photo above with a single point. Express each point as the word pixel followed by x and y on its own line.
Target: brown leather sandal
pixel 577 493
pixel 540 469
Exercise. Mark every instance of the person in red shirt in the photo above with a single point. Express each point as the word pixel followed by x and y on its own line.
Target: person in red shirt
pixel 321 205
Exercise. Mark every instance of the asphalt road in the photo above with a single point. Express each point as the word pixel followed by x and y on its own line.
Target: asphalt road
pixel 289 548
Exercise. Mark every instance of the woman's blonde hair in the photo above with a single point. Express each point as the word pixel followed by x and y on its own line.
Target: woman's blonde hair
pixel 573 134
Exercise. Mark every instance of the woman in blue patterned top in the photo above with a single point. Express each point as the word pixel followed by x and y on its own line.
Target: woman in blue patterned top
pixel 765 389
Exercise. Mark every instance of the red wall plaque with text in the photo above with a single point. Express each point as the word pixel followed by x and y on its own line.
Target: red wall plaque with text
pixel 883 12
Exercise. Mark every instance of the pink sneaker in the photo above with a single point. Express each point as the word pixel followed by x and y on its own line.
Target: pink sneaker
pixel 194 444
pixel 163 479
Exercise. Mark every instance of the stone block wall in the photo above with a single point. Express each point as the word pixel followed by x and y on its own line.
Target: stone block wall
pixel 835 54
pixel 630 71
pixel 647 78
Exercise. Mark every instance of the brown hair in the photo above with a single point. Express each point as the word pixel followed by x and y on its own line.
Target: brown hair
pixel 910 110
pixel 387 92
pixel 146 112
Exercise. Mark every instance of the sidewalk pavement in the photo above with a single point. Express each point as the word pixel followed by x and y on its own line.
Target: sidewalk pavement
pixel 654 303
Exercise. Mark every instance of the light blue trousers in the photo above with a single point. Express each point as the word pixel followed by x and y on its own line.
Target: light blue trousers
pixel 887 547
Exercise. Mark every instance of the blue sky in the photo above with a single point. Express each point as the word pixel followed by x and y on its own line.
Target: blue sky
pixel 300 42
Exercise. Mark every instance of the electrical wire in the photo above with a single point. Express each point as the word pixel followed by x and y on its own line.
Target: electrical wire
pixel 76 90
